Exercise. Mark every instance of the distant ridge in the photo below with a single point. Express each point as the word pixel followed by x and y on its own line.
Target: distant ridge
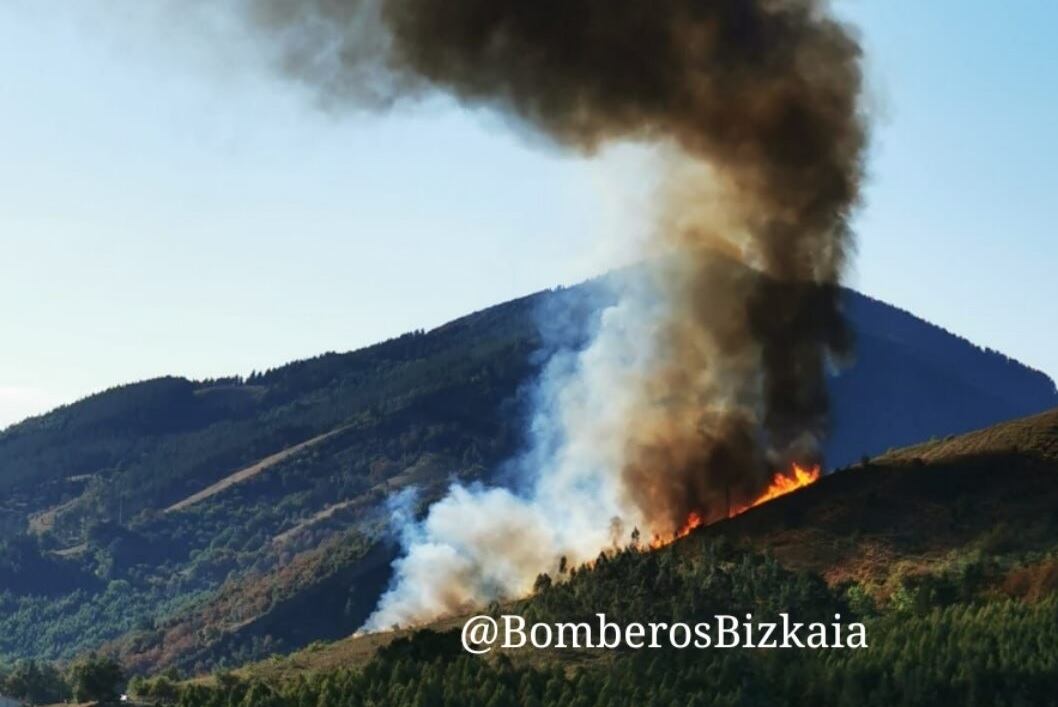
pixel 913 380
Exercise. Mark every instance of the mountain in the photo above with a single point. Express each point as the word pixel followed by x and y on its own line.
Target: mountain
pixel 945 552
pixel 202 523
pixel 913 380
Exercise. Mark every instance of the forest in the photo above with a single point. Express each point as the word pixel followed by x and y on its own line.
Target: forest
pixel 943 641
pixel 108 544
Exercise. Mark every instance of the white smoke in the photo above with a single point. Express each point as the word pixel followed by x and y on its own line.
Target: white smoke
pixel 479 545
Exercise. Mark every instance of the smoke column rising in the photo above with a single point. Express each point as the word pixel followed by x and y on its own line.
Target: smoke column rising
pixel 708 373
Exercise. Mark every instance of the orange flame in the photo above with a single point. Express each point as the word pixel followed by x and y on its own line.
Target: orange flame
pixel 694 520
pixel 781 484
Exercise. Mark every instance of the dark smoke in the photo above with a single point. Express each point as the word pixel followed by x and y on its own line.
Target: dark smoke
pixel 756 104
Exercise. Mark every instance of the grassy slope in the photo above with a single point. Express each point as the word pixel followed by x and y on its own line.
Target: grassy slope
pixel 986 491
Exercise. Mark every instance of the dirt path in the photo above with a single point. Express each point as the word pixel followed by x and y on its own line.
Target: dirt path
pixel 40 523
pixel 249 472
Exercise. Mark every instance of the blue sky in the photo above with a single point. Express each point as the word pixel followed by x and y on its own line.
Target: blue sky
pixel 167 207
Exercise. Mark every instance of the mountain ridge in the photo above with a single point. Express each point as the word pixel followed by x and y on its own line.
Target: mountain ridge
pixel 415 412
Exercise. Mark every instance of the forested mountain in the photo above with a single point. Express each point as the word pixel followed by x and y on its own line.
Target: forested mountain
pixel 198 523
pixel 913 380
pixel 946 552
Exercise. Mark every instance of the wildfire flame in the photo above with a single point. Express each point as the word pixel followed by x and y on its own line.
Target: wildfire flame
pixel 781 484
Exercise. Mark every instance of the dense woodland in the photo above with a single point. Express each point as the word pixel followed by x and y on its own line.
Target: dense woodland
pixel 91 559
pixel 104 559
pixel 964 610
pixel 944 639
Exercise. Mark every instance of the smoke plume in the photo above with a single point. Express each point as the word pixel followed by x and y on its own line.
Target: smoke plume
pixel 708 373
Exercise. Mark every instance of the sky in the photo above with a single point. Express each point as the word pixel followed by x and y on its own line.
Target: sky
pixel 167 207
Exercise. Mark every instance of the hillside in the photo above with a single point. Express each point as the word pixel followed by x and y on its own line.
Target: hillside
pixel 918 509
pixel 948 551
pixel 275 485
pixel 987 499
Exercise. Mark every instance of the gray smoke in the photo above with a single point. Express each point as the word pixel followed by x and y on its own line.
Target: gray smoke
pixel 708 374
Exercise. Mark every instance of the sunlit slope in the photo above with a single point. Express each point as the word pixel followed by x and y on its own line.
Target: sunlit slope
pixel 991 491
